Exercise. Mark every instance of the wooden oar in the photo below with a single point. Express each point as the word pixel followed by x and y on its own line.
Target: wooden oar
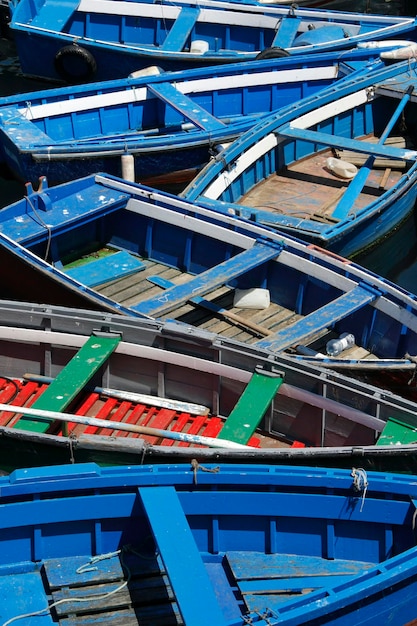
pixel 131 396
pixel 42 414
pixel 214 308
pixel 355 187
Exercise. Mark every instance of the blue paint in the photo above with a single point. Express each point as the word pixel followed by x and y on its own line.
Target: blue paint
pixel 100 517
pixel 108 268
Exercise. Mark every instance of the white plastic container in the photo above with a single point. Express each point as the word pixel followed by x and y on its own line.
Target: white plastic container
pixel 199 46
pixel 128 167
pixel 252 298
pixel 151 70
pixel 341 168
pixel 335 346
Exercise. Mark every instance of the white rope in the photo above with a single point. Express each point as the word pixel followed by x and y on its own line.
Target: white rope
pixel 93 597
pixel 360 482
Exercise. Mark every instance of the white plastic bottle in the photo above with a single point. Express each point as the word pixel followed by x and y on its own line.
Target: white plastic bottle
pixel 336 346
pixel 341 168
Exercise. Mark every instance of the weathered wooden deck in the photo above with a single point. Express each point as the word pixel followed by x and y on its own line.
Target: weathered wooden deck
pixel 136 287
pixel 309 190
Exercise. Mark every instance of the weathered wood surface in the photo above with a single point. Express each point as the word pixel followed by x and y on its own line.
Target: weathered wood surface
pixel 308 190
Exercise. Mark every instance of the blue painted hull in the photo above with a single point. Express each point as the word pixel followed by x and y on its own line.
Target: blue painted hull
pixel 70 132
pixel 110 45
pixel 262 543
pixel 312 295
pixel 363 214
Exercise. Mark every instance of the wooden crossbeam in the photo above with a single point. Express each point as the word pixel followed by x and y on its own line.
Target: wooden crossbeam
pixel 327 315
pixel 184 105
pixel 335 141
pixel 210 279
pixel 182 560
pixel 251 407
pixel 71 380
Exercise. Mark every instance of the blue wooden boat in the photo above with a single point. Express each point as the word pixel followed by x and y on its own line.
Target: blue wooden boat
pixel 79 386
pixel 337 169
pixel 265 546
pixel 104 243
pixel 162 122
pixel 83 40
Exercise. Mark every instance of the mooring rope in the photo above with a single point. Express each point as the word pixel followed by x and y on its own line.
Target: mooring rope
pixel 360 482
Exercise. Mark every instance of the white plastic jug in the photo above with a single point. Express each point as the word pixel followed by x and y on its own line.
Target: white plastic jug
pixel 341 168
pixel 199 46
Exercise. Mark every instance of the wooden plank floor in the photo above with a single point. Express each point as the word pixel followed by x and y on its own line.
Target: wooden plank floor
pixel 147 598
pixel 133 289
pixel 308 190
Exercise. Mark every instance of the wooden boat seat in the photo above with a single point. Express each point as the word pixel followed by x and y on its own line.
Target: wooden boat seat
pixel 336 141
pixel 28 593
pixel 336 310
pixel 54 15
pixel 286 32
pixel 71 577
pixel 105 269
pixel 269 580
pixel 181 29
pixel 397 432
pixel 188 576
pixel 210 279
pixel 184 105
pixel 72 379
pixel 251 406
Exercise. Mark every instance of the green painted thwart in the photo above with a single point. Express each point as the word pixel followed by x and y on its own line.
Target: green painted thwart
pixel 71 380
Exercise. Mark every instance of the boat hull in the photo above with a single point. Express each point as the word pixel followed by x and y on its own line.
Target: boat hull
pixel 164 122
pixel 100 524
pixel 109 44
pixel 317 417
pixel 349 214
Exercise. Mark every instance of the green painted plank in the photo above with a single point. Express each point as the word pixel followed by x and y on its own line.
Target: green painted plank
pixel 397 432
pixel 251 407
pixel 71 380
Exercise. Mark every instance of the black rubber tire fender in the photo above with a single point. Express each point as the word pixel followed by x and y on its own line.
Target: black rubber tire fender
pixel 272 53
pixel 81 60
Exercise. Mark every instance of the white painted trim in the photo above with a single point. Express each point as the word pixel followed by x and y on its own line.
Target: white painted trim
pixel 245 160
pixel 139 94
pixel 168 12
pixel 333 108
pixel 190 223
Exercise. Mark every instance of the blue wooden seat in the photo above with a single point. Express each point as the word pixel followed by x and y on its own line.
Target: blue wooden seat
pixel 54 15
pixel 21 594
pixel 187 574
pixel 209 280
pixel 107 268
pixel 181 29
pixel 336 141
pixel 286 32
pixel 184 105
pixel 322 318
pixel 269 580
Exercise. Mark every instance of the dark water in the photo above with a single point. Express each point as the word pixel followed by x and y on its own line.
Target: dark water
pixel 395 259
